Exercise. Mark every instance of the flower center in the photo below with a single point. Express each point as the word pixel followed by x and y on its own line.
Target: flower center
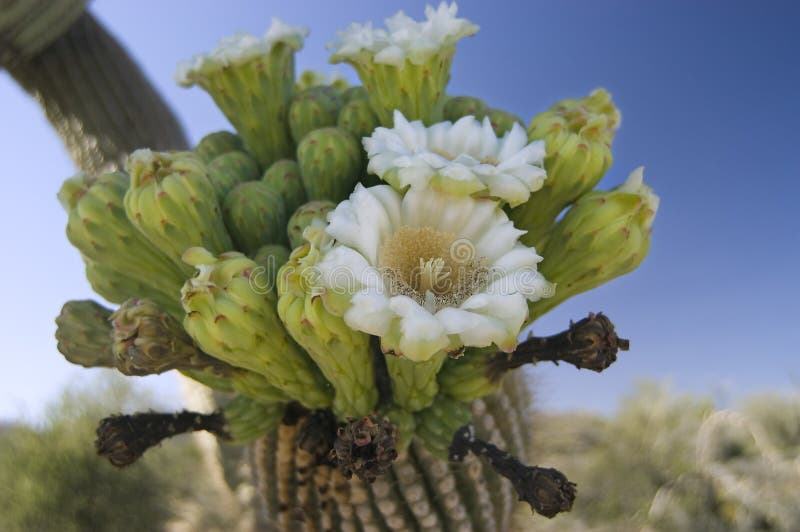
pixel 432 267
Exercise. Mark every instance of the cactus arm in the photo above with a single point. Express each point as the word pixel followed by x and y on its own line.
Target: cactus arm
pixel 96 97
pixel 28 27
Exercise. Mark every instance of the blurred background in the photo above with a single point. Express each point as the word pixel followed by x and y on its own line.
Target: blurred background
pixel 708 94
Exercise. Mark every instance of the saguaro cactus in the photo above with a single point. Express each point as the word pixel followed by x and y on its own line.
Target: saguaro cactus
pixel 372 369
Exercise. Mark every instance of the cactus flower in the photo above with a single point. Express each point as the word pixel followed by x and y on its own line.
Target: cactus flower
pixel 251 80
pixel 407 65
pixel 465 157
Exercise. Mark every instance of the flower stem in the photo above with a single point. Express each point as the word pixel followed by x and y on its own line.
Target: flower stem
pixel 590 343
pixel 546 490
pixel 123 439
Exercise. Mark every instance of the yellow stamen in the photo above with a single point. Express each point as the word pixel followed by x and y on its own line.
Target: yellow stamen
pixel 418 262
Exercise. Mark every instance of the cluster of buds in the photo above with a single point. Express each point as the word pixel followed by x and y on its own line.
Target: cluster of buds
pixel 362 256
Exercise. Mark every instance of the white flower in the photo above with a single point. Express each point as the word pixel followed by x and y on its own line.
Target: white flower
pixel 464 158
pixel 427 271
pixel 404 38
pixel 237 49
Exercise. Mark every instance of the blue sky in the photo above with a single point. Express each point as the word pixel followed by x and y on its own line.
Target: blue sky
pixel 709 99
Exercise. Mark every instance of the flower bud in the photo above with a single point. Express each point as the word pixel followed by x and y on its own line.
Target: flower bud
pixel 314 108
pixel 117 287
pixel 84 335
pixel 271 257
pixel 148 341
pixel 577 135
pixel 252 80
pixel 405 424
pixel 304 216
pixel 229 169
pixel 461 106
pixel 331 163
pixel 436 424
pixel 218 143
pixel 358 118
pixel 233 319
pixel 355 93
pixel 602 236
pixel 284 178
pixel 503 121
pixel 255 216
pixel 120 257
pixel 173 203
pixel 466 378
pixel 342 354
pixel 313 78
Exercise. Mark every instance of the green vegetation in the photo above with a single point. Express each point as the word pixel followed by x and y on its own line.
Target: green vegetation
pixel 52 480
pixel 674 463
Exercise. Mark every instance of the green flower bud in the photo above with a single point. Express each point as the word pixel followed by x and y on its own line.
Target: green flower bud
pixel 313 78
pixel 84 334
pixel 252 80
pixel 173 203
pixel 302 218
pixel 218 143
pixel 461 106
pixel 466 378
pixel 233 319
pixel 117 287
pixel 503 121
pixel 284 177
pixel 355 93
pixel 255 215
pixel 603 235
pixel 229 169
pixel 405 423
pixel 271 257
pixel 342 354
pixel 74 188
pixel 98 227
pixel 314 108
pixel 254 385
pixel 149 341
pixel 436 425
pixel 358 118
pixel 331 163
pixel 577 135
pixel 414 383
pixel 248 419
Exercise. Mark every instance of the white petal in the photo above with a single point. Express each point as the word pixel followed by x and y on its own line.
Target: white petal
pixel 370 312
pixel 463 158
pixel 345 271
pixel 498 240
pixel 473 329
pixel 364 221
pixel 421 334
pixel 508 187
pixel 517 258
pixel 512 142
